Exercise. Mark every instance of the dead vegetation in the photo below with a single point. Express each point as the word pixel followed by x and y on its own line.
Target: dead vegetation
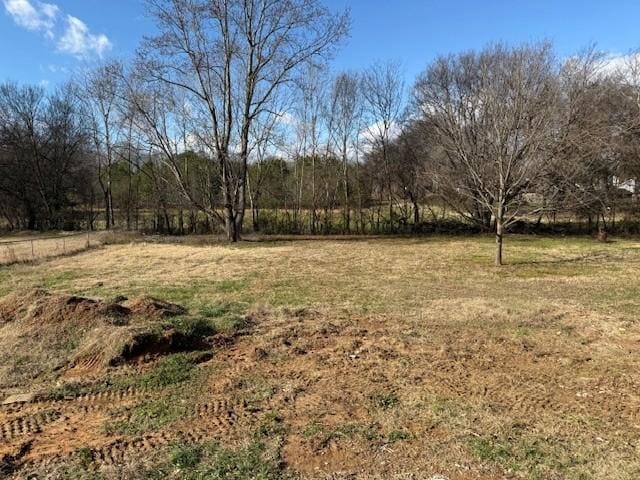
pixel 529 373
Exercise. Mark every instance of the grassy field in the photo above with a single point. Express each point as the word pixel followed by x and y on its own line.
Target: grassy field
pixel 361 358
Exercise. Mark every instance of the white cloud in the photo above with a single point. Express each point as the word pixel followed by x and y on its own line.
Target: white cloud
pixel 287 119
pixel 624 66
pixel 35 16
pixel 80 42
pixel 372 134
pixel 71 34
pixel 57 69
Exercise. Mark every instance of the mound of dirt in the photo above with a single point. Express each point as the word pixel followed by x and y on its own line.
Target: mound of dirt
pixel 42 308
pixel 150 307
pixel 44 333
pixel 17 303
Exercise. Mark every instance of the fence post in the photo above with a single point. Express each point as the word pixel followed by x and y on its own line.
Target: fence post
pixel 88 239
pixel 33 254
pixel 64 245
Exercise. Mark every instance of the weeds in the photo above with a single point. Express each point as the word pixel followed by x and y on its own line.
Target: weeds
pixel 186 457
pixel 228 317
pixel 270 426
pixel 191 331
pixel 170 370
pixel 148 416
pixel 212 462
pixel 536 457
pixel 398 436
pixel 384 401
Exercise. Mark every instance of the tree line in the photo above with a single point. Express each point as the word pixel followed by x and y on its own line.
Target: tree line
pixel 230 119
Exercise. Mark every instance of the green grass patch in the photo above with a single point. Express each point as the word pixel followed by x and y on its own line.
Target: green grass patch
pixel 535 458
pixel 170 370
pixel 398 436
pixel 175 369
pixel 290 293
pixel 149 416
pixel 228 286
pixel 212 462
pixel 227 317
pixel 186 457
pixel 191 331
pixel 221 309
pixel 270 426
pixel 312 429
pixel 255 389
pixel 384 400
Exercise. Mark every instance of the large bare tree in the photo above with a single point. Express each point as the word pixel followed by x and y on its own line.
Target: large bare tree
pixel 493 112
pixel 229 58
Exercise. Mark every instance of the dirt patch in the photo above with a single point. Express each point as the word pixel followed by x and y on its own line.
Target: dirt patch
pixel 368 396
pixel 46 334
pixel 385 396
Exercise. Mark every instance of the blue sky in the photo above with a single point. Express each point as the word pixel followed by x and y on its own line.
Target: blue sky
pixel 44 41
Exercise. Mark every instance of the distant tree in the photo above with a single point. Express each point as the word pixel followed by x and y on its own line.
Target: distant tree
pixel 101 93
pixel 43 143
pixel 591 135
pixel 346 113
pixel 383 92
pixel 310 97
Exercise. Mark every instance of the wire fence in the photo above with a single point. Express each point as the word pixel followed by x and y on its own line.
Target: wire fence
pixel 36 248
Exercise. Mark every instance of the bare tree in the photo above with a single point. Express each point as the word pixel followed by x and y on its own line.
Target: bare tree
pixel 493 112
pixel 591 134
pixel 383 92
pixel 346 111
pixel 43 145
pixel 230 58
pixel 311 96
pixel 101 91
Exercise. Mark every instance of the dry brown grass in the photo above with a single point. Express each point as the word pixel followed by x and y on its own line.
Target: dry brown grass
pixel 394 358
pixel 30 248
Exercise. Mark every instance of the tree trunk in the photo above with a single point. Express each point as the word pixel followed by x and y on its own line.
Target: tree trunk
pixel 231 225
pixel 499 236
pixel 346 221
pixel 313 194
pixel 230 220
pixel 107 210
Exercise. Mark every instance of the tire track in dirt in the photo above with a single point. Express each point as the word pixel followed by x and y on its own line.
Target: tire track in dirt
pixel 28 425
pixel 544 387
pixel 105 398
pixel 209 421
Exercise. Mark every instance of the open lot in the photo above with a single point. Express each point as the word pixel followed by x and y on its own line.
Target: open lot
pixel 362 358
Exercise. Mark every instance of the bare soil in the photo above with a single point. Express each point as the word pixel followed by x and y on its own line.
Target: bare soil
pixel 366 396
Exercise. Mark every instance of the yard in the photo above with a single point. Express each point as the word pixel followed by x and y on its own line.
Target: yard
pixel 365 358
